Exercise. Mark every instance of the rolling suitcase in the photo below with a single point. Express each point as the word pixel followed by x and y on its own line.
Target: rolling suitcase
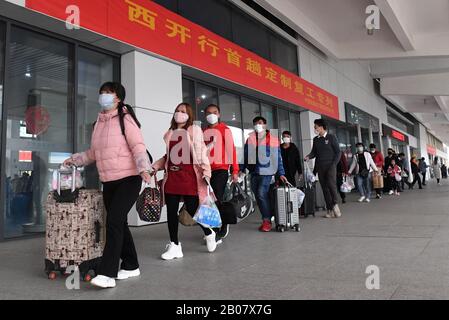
pixel 320 202
pixel 286 199
pixel 308 207
pixel 75 232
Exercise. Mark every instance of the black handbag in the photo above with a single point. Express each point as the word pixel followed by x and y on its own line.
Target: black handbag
pixel 238 208
pixel 149 203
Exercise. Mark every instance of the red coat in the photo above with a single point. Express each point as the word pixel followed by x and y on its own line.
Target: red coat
pixel 378 159
pixel 222 153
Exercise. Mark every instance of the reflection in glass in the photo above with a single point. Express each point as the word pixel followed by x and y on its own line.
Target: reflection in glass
pixel 232 117
pixel 268 113
pixel 38 123
pixel 94 69
pixel 205 96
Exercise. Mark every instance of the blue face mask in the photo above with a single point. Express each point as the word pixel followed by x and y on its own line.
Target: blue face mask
pixel 106 101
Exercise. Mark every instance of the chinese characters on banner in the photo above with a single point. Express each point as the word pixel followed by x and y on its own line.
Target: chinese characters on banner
pixel 149 26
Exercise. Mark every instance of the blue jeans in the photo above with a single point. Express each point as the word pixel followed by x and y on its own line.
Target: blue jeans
pixel 364 186
pixel 260 185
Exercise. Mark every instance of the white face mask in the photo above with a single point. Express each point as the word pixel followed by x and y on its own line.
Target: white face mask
pixel 181 118
pixel 259 128
pixel 106 101
pixel 212 119
pixel 360 149
pixel 287 140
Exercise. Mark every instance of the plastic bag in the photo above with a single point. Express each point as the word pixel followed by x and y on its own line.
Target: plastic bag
pixel 207 213
pixel 310 178
pixel 66 179
pixel 348 185
pixel 301 197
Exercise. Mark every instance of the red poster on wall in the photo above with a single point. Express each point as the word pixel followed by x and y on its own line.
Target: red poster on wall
pixel 149 26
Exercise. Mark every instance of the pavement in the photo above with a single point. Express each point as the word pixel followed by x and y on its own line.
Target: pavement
pixel 405 238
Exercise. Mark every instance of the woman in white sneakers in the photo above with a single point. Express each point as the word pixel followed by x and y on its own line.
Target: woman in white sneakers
pixel 187 175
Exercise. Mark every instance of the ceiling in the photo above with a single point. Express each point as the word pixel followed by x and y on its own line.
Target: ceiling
pixel 409 54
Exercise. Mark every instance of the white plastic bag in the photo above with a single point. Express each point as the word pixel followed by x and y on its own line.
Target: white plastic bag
pixel 309 177
pixel 207 213
pixel 348 185
pixel 301 197
pixel 66 179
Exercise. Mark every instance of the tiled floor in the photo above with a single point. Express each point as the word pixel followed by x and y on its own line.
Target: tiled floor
pixel 407 237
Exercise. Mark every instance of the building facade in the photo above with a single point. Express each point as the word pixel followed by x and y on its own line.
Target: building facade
pixel 237 55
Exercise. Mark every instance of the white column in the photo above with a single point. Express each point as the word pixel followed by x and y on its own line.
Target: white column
pixel 154 86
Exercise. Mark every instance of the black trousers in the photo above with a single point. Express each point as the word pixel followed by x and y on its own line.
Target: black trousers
pixel 119 197
pixel 172 201
pixel 417 178
pixel 328 179
pixel 424 178
pixel 339 184
pixel 218 182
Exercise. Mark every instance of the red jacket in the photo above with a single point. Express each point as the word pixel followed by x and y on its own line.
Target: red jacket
pixel 378 159
pixel 222 151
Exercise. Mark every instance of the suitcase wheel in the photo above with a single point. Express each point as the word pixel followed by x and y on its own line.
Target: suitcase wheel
pixel 280 228
pixel 52 275
pixel 89 276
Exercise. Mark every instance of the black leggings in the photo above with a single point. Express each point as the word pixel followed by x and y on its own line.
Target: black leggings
pixel 172 201
pixel 119 197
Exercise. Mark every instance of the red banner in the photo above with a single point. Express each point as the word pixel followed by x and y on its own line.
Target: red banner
pixel 149 26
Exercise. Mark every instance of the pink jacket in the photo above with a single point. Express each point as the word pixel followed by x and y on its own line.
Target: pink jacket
pixel 200 159
pixel 116 157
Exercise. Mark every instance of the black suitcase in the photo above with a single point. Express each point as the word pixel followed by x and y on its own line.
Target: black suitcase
pixel 308 207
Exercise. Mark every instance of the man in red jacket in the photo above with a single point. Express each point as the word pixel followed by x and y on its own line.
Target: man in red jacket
pixel 222 155
pixel 379 161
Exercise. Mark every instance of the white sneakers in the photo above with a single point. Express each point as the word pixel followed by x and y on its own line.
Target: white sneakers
pixel 362 199
pixel 103 282
pixel 126 274
pixel 330 214
pixel 391 192
pixel 106 282
pixel 337 212
pixel 211 242
pixel 368 200
pixel 173 251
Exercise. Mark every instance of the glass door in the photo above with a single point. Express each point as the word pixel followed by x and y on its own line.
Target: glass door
pixel 39 124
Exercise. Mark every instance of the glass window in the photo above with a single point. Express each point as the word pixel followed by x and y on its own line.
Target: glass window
pixel 188 92
pixel 295 129
pixel 2 68
pixel 284 54
pixel 205 96
pixel 94 69
pixel 38 96
pixel 284 121
pixel 231 115
pixel 250 110
pixel 268 113
pixel 169 4
pixel 250 34
pixel 212 15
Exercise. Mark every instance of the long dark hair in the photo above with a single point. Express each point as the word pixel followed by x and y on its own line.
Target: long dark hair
pixel 189 123
pixel 120 92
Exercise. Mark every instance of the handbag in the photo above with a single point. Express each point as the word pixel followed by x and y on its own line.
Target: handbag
pixel 149 203
pixel 238 208
pixel 348 185
pixel 207 213
pixel 185 218
pixel 398 177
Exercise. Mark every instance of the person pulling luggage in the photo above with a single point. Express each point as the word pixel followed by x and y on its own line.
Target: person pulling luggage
pixel 120 154
pixel 262 167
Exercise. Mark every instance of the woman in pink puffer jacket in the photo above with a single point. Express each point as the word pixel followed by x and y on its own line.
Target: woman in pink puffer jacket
pixel 122 163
